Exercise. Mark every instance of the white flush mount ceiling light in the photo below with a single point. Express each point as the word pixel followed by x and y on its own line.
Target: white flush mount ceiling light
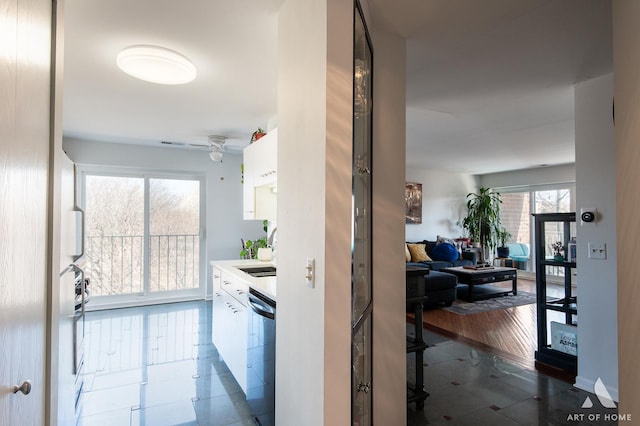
pixel 217 147
pixel 156 65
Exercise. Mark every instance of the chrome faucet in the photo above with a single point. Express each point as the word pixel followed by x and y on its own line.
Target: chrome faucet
pixel 271 237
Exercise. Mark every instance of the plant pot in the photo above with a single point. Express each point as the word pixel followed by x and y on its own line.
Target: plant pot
pixel 265 254
pixel 257 135
pixel 558 258
pixel 503 252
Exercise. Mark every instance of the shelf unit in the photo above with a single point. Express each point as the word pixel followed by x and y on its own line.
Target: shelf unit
pixel 416 296
pixel 558 227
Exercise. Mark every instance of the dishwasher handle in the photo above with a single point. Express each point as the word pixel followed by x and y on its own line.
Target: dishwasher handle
pixel 261 308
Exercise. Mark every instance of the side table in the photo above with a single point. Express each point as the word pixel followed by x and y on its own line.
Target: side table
pixel 505 262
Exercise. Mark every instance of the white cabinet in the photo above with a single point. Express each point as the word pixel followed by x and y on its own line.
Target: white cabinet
pixel 261 178
pixel 230 323
pixel 265 154
pixel 248 193
pixel 218 318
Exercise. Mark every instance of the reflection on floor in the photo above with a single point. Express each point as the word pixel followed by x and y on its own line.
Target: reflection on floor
pixel 470 387
pixel 157 366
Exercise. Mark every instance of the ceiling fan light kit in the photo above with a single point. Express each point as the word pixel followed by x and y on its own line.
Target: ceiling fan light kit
pixel 215 155
pixel 217 147
pixel 156 64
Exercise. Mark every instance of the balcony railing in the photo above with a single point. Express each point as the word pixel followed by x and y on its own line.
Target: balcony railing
pixel 115 264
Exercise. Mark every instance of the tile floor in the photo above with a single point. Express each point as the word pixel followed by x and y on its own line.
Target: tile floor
pixel 156 366
pixel 469 387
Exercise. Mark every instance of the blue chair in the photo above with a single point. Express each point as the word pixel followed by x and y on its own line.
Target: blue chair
pixel 520 254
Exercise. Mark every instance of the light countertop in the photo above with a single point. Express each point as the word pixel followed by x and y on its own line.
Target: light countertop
pixel 265 285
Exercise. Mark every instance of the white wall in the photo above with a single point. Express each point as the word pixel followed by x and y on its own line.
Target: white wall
pixel 444 197
pixel 314 218
pixel 302 145
pixel 626 66
pixel 597 279
pixel 224 225
pixel 565 173
pixel 389 298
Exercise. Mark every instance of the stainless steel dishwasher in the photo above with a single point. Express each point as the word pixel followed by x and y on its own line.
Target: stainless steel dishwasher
pixel 261 358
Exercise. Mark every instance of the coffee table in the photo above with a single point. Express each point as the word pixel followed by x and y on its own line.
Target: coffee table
pixel 476 277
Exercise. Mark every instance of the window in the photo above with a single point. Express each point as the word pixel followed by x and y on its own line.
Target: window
pixel 518 205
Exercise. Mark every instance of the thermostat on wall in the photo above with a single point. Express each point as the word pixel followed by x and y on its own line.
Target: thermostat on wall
pixel 588 215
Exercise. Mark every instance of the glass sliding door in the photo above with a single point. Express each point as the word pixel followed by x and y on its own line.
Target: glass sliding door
pixel 174 234
pixel 114 234
pixel 143 237
pixel 515 214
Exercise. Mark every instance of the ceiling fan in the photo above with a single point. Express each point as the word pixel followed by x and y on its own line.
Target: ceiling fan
pixel 216 143
pixel 215 146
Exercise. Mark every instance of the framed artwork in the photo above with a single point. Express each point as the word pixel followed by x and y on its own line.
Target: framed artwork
pixel 413 202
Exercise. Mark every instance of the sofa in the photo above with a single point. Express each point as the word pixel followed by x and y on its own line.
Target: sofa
pixel 437 255
pixel 440 287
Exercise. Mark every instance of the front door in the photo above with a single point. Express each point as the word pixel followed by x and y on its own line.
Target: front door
pixel 25 46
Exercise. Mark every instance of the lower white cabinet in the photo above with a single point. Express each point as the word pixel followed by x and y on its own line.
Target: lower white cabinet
pixel 230 325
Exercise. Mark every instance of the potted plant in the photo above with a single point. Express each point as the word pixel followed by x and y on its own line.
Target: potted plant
pixel 250 247
pixel 558 248
pixel 483 219
pixel 257 135
pixel 503 249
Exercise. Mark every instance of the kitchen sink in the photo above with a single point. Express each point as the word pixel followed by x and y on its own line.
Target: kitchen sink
pixel 260 271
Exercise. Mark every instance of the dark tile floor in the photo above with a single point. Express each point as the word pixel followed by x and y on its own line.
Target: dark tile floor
pixel 156 366
pixel 470 387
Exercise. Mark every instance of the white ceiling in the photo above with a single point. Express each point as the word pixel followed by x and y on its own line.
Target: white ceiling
pixel 489 83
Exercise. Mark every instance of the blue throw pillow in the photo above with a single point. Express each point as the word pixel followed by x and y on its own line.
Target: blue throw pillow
pixel 445 252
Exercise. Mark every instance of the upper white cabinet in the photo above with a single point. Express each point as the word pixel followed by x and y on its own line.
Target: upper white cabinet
pixel 261 178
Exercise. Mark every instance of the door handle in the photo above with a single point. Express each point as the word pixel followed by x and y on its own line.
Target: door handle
pixel 25 388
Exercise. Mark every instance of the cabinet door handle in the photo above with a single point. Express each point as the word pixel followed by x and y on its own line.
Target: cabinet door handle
pixel 25 388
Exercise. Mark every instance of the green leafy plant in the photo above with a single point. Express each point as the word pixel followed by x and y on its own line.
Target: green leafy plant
pixel 250 247
pixel 483 218
pixel 503 236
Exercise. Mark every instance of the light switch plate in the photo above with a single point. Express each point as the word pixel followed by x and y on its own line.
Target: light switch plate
pixel 597 250
pixel 310 272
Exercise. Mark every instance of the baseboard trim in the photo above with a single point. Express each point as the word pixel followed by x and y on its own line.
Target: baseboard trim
pixel 588 385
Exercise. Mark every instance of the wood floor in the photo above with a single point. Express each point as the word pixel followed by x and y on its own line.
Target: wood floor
pixel 509 333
